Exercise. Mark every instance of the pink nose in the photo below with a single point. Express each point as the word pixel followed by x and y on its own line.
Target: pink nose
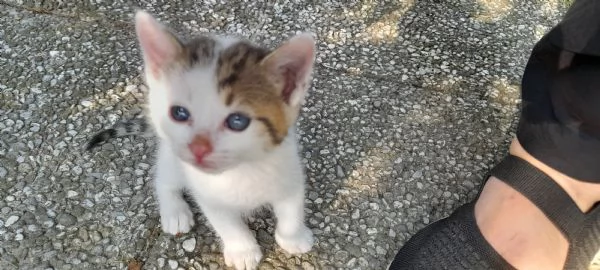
pixel 200 147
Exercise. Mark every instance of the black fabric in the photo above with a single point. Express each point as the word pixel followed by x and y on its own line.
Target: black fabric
pixel 453 243
pixel 582 231
pixel 456 242
pixel 560 118
pixel 579 30
pixel 586 243
pixel 542 191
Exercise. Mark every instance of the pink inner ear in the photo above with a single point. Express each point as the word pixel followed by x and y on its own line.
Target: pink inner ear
pixel 154 59
pixel 159 47
pixel 158 50
pixel 290 84
pixel 292 64
pixel 292 73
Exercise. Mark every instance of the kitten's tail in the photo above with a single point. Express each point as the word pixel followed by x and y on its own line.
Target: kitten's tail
pixel 133 126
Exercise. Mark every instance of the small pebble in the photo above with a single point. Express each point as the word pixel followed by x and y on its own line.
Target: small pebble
pixel 189 245
pixel 173 264
pixel 11 220
pixel 66 220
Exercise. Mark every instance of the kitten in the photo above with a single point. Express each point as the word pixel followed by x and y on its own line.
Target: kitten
pixel 224 111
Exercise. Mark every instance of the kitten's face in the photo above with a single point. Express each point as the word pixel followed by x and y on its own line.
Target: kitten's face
pixel 219 101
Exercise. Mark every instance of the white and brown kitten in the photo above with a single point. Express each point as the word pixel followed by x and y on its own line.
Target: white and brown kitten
pixel 224 111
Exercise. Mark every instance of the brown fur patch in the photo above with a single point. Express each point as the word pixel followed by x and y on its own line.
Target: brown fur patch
pixel 244 81
pixel 199 50
pixel 229 99
pixel 235 60
pixel 270 129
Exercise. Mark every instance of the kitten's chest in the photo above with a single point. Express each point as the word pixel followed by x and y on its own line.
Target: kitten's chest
pixel 244 189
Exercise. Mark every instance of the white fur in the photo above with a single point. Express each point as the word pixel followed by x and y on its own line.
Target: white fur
pixel 245 173
pixel 224 198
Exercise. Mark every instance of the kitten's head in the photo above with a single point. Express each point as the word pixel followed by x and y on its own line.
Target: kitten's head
pixel 221 101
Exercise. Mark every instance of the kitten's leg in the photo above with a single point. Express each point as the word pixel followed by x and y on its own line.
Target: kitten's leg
pixel 292 234
pixel 175 214
pixel 239 245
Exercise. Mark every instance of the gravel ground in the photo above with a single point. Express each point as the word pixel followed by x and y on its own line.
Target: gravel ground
pixel 412 102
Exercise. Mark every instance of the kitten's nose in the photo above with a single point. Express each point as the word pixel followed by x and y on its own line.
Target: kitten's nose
pixel 200 147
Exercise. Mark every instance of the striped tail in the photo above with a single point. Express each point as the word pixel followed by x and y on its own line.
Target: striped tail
pixel 134 126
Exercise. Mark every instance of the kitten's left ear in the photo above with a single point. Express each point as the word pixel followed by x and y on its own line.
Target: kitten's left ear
pixel 290 67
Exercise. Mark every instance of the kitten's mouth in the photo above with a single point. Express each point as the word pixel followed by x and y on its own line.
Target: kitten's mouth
pixel 208 167
pixel 205 165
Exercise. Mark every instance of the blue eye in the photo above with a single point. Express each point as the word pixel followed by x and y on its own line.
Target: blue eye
pixel 237 121
pixel 180 114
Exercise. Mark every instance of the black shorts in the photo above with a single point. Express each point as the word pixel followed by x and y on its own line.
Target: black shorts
pixel 560 118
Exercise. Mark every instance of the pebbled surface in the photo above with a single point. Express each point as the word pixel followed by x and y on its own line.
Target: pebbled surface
pixel 412 102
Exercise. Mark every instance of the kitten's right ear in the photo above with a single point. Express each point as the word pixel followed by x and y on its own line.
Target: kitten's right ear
pixel 159 46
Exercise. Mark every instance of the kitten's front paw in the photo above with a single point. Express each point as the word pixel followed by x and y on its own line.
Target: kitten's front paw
pixel 176 218
pixel 297 243
pixel 242 257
